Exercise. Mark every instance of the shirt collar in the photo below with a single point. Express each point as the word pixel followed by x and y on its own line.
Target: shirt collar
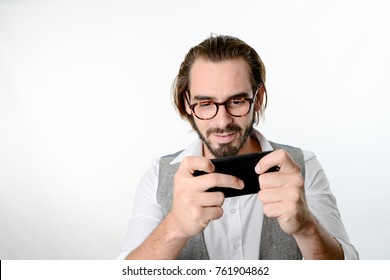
pixel 195 149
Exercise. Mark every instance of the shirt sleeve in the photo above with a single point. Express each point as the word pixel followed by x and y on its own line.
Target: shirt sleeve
pixel 147 213
pixel 323 205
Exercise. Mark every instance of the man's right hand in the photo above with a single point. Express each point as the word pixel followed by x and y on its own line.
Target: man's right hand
pixel 193 208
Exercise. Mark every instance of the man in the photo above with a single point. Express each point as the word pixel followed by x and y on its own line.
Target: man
pixel 220 90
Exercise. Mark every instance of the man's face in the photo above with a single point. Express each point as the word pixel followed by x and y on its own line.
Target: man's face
pixel 223 135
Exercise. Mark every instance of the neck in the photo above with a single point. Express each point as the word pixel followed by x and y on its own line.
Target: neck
pixel 251 145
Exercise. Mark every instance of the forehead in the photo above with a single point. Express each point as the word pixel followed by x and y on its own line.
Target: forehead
pixel 219 79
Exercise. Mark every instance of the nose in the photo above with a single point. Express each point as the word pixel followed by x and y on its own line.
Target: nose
pixel 222 119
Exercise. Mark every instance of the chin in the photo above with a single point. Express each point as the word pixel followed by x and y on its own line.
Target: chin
pixel 224 150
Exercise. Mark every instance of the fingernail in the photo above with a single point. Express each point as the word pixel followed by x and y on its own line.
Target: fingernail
pixel 241 183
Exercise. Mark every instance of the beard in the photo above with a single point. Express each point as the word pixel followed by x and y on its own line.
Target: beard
pixel 228 149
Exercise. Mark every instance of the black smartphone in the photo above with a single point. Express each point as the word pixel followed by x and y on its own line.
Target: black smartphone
pixel 243 167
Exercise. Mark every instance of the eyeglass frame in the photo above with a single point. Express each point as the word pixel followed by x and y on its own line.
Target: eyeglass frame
pixel 217 104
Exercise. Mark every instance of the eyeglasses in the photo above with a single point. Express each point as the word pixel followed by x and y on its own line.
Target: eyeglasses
pixel 208 109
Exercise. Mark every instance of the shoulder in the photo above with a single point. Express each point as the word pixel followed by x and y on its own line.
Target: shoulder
pixel 172 156
pixel 168 159
pixel 307 154
pixel 276 146
pixel 157 164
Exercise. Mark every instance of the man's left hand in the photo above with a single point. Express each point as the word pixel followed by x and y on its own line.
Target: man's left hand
pixel 282 193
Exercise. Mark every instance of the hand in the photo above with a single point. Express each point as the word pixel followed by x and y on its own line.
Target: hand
pixel 282 193
pixel 193 208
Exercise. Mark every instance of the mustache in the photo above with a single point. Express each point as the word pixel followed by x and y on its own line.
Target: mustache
pixel 230 128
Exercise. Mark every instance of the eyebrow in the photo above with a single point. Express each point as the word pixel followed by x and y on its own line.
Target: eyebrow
pixel 206 97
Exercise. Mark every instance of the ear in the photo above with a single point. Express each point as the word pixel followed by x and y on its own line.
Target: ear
pixel 186 100
pixel 259 98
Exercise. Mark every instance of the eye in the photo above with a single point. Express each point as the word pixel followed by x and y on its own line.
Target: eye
pixel 237 102
pixel 205 104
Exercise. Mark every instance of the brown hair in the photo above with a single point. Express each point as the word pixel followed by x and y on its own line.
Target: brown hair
pixel 217 49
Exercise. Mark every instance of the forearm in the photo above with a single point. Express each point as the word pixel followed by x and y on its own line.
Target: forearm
pixel 162 243
pixel 316 243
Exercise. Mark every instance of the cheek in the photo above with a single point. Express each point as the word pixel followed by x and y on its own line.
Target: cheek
pixel 251 117
pixel 201 125
pixel 246 121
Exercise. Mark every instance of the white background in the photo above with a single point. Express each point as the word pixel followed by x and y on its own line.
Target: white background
pixel 85 106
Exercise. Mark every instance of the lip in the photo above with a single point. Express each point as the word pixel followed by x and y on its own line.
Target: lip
pixel 223 138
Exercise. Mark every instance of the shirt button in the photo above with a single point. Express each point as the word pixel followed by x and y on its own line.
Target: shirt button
pixel 235 247
pixel 233 211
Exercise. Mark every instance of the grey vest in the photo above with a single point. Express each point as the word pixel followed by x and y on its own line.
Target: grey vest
pixel 275 244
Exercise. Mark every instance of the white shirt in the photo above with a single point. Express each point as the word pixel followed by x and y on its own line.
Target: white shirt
pixel 236 235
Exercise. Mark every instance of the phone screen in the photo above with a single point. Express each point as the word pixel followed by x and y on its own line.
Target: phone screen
pixel 243 167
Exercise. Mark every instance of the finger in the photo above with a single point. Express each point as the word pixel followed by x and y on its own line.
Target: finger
pixel 274 180
pixel 189 164
pixel 279 158
pixel 218 180
pixel 210 199
pixel 212 213
pixel 284 180
pixel 273 210
pixel 270 195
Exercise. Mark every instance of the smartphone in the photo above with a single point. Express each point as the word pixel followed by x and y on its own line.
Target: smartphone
pixel 243 167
